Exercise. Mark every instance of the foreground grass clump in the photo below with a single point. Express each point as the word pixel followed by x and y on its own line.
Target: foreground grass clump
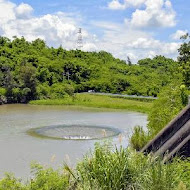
pixel 125 169
pixel 108 168
pixel 139 138
pixel 99 101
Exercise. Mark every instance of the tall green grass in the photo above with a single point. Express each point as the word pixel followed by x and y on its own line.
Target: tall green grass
pixel 139 138
pixel 108 168
pixel 117 169
pixel 98 101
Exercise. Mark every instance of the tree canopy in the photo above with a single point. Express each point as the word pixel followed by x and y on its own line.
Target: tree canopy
pixel 32 70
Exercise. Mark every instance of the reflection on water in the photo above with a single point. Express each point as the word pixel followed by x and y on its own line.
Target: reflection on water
pixel 18 148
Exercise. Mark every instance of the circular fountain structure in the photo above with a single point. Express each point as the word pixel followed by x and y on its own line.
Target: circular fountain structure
pixel 74 132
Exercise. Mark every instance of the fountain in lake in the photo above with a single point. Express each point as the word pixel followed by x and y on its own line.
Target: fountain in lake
pixel 74 132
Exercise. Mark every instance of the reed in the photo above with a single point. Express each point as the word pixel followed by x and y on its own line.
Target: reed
pixel 108 168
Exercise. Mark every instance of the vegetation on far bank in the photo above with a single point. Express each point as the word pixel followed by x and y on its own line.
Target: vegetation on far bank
pixel 99 101
pixel 33 71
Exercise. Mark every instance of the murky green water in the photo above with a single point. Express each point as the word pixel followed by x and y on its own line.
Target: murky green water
pixel 18 148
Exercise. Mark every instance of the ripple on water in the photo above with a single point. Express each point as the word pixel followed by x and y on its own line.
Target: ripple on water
pixel 74 132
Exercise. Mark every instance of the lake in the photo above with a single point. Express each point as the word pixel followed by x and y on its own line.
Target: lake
pixel 18 148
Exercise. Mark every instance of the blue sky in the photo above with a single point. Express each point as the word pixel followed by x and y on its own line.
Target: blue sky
pixel 134 28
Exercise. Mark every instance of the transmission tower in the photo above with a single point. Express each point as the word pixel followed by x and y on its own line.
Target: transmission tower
pixel 79 39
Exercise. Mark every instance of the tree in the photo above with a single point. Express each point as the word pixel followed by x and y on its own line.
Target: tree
pixel 28 80
pixel 184 59
pixel 184 50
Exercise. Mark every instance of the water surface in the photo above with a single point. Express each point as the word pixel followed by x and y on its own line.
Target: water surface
pixel 18 149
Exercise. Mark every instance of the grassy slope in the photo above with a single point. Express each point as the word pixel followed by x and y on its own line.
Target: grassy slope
pixel 98 101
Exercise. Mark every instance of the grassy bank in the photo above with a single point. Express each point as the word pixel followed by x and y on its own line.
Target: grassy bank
pixel 99 101
pixel 108 169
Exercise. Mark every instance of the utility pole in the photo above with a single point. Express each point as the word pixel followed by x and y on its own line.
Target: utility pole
pixel 79 39
pixel 67 74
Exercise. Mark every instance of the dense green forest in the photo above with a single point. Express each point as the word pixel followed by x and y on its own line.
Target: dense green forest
pixel 32 70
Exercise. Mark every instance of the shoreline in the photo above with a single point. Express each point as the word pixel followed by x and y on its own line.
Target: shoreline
pixel 98 102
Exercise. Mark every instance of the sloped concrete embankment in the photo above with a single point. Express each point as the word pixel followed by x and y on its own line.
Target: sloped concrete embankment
pixel 174 139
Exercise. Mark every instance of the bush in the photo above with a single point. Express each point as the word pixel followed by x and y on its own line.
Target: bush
pixel 17 94
pixel 69 89
pixel 2 91
pixel 139 138
pixel 57 91
pixel 105 169
pixel 171 101
pixel 43 91
pixel 48 179
pixel 9 182
pixel 3 98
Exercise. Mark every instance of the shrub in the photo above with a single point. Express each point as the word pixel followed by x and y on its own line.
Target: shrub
pixel 9 182
pixel 105 169
pixel 2 91
pixel 48 179
pixel 69 89
pixel 3 98
pixel 139 138
pixel 57 91
pixel 43 91
pixel 171 101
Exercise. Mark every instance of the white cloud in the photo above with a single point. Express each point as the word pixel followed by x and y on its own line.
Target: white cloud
pixel 6 11
pixel 55 29
pixel 89 47
pixel 135 3
pixel 158 13
pixel 106 25
pixel 117 5
pixel 23 11
pixel 178 34
pixel 136 44
pixel 165 48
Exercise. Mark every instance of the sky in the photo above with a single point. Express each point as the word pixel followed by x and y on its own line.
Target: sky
pixel 134 28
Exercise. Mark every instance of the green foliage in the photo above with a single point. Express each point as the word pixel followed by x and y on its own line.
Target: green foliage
pixel 57 91
pixel 108 168
pixel 171 101
pixel 99 101
pixel 184 59
pixel 2 91
pixel 69 89
pixel 37 71
pixel 43 91
pixel 28 82
pixel 184 50
pixel 139 138
pixel 48 179
pixel 9 182
pixel 105 169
